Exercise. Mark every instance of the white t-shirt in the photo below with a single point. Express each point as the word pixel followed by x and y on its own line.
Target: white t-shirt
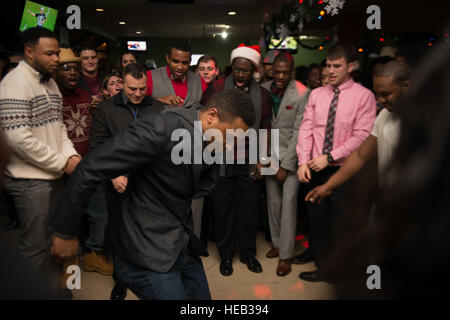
pixel 386 130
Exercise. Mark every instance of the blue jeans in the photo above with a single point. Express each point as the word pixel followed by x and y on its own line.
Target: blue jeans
pixel 186 280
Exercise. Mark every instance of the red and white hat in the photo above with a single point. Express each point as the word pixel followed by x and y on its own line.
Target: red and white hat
pixel 251 53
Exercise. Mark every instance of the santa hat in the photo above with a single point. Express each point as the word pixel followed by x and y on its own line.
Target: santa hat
pixel 251 53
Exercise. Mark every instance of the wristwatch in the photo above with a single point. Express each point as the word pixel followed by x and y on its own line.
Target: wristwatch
pixel 330 158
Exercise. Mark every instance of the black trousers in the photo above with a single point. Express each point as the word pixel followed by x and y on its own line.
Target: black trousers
pixel 322 217
pixel 235 203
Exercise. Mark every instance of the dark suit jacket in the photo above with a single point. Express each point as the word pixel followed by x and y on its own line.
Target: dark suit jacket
pixel 147 232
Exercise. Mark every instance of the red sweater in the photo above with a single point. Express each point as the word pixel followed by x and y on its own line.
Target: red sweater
pixel 77 115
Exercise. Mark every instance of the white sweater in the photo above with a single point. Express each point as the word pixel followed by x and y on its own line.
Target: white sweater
pixel 31 116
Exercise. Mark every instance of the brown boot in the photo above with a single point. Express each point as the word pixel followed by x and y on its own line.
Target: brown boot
pixel 273 253
pixel 284 267
pixel 65 264
pixel 96 261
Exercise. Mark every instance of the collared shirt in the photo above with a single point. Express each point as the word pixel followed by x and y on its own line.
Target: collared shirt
pixel 355 117
pixel 179 86
pixel 134 107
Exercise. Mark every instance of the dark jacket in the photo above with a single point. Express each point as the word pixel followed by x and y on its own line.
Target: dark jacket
pixel 113 115
pixel 147 232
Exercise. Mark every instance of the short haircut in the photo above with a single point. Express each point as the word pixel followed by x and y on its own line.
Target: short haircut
pixel 207 57
pixel 400 70
pixel 286 58
pixel 128 52
pixel 137 71
pixel 85 46
pixel 342 50
pixel 231 104
pixel 30 37
pixel 310 68
pixel 180 45
pixel 109 76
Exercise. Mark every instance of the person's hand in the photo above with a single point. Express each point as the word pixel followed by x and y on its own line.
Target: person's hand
pixel 281 175
pixel 64 248
pixel 257 174
pixel 319 163
pixel 172 100
pixel 318 194
pixel 95 100
pixel 71 164
pixel 303 173
pixel 120 183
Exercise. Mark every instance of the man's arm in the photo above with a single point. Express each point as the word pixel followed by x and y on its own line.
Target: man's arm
pixel 290 160
pixel 134 147
pixel 358 159
pixel 20 136
pixel 99 128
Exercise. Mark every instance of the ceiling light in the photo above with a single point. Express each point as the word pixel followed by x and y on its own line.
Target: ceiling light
pixel 231 13
pixel 138 32
pixel 224 26
pixel 122 22
pixel 99 10
pixel 224 34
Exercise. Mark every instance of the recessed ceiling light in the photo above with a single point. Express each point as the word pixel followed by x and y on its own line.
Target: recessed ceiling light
pixel 122 22
pixel 231 13
pixel 224 34
pixel 99 10
pixel 138 32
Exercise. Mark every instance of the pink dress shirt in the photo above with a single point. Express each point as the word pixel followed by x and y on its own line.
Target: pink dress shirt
pixel 355 117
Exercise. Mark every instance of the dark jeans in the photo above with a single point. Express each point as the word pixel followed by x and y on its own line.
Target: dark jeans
pixel 322 217
pixel 186 280
pixel 236 206
pixel 98 219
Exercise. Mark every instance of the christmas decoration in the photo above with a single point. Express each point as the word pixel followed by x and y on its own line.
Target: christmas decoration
pixel 289 23
pixel 333 6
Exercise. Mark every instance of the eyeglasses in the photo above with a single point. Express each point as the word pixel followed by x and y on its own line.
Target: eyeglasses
pixel 239 70
pixel 67 68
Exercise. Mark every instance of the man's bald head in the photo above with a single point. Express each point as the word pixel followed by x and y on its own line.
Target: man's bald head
pixel 399 70
pixel 391 84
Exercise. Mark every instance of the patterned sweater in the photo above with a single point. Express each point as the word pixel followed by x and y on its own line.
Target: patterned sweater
pixel 31 116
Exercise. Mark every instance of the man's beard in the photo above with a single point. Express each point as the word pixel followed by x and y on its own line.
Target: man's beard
pixel 44 74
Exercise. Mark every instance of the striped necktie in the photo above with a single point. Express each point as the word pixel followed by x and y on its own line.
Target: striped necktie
pixel 328 143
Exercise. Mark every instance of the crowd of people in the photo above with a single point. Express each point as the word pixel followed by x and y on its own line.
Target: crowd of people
pixel 90 163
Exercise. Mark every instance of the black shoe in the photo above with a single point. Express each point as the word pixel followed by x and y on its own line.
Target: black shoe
pixel 226 269
pixel 119 292
pixel 13 225
pixel 303 258
pixel 314 276
pixel 252 264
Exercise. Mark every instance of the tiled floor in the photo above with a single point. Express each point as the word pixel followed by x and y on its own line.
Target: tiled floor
pixel 241 285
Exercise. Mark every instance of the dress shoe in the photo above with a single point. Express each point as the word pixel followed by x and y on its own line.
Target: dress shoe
pixel 119 292
pixel 315 276
pixel 303 258
pixel 284 267
pixel 252 264
pixel 273 253
pixel 226 269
